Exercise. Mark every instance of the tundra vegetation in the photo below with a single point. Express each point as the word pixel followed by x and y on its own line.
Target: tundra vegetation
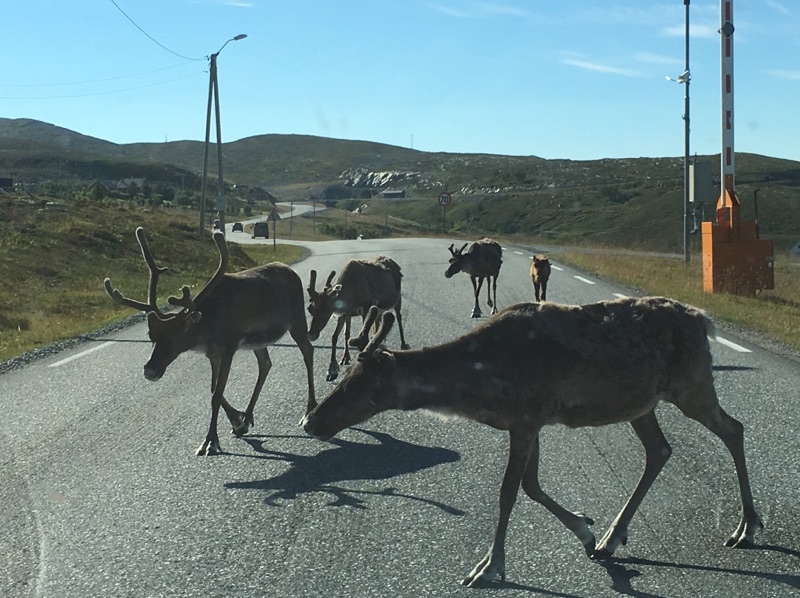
pixel 63 247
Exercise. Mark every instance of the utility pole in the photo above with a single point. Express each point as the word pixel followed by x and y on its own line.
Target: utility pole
pixel 213 94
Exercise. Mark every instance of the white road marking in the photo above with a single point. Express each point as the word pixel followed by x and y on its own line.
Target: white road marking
pixel 732 345
pixel 81 354
pixel 519 253
pixel 556 268
pixel 582 279
pixel 620 296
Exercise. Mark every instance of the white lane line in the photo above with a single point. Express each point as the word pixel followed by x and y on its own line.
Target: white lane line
pixel 732 345
pixel 79 355
pixel 620 296
pixel 556 268
pixel 519 253
pixel 582 279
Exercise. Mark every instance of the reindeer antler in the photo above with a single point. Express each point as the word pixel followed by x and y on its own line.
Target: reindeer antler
pixel 185 300
pixel 387 321
pixel 452 251
pixel 330 279
pixel 360 341
pixel 222 246
pixel 155 272
pixel 312 285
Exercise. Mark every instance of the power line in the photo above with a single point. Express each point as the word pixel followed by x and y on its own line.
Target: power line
pixel 151 38
pixel 98 93
pixel 92 80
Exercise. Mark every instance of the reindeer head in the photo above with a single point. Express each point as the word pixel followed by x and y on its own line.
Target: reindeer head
pixel 457 260
pixel 322 305
pixel 367 388
pixel 171 333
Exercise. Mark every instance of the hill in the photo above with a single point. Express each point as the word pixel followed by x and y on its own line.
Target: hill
pixel 636 202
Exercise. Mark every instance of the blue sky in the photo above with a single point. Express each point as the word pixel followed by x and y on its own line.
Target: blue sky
pixel 578 79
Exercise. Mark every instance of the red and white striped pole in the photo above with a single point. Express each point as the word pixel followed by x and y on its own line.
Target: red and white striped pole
pixel 727 207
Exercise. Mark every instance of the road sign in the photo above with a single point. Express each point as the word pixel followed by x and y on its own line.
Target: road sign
pixel 445 199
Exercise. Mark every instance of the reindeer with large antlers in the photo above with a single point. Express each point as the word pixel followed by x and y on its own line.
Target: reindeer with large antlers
pixel 361 284
pixel 251 309
pixel 482 261
pixel 534 365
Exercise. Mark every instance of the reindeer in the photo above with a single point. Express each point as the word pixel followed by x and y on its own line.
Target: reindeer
pixel 246 310
pixel 361 284
pixel 482 261
pixel 534 365
pixel 540 274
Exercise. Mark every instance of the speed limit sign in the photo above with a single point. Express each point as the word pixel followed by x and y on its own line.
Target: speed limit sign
pixel 445 199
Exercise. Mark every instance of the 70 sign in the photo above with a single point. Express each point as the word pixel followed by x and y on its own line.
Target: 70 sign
pixel 444 200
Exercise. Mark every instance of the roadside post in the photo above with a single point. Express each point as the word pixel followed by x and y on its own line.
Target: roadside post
pixel 444 200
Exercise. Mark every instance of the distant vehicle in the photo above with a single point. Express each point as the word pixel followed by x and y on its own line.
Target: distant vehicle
pixel 260 229
pixel 238 227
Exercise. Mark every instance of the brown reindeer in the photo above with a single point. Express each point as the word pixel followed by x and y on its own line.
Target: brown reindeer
pixel 246 310
pixel 361 284
pixel 482 261
pixel 534 365
pixel 540 274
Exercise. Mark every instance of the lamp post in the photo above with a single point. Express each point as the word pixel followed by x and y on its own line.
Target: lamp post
pixel 213 93
pixel 684 78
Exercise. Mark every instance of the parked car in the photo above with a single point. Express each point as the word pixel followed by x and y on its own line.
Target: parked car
pixel 238 227
pixel 260 229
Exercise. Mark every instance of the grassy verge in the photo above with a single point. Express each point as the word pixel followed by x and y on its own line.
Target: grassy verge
pixel 53 259
pixel 775 313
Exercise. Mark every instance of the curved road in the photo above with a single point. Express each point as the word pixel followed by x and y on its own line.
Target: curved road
pixel 102 494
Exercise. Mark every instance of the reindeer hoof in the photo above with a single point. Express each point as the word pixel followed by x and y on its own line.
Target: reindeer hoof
pixel 208 449
pixel 242 424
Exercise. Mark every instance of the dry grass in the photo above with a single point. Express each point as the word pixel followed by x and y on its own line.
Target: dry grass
pixel 775 313
pixel 53 259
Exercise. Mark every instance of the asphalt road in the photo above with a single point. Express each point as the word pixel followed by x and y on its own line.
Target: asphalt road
pixel 101 493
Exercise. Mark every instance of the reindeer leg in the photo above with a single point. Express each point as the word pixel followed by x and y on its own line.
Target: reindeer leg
pixel 333 368
pixel 476 289
pixel 493 281
pixel 544 291
pixel 300 336
pixel 494 563
pixel 657 452
pixel 211 444
pixel 242 422
pixel 346 357
pixel 397 307
pixel 577 523
pixel 731 432
pixel 536 287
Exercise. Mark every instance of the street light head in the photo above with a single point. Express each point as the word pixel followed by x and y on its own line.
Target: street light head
pixel 240 36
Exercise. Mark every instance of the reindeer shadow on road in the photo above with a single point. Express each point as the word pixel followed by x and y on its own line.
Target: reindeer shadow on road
pixel 347 461
pixel 623 570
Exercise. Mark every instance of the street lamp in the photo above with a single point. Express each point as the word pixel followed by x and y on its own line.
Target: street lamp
pixel 213 92
pixel 684 79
